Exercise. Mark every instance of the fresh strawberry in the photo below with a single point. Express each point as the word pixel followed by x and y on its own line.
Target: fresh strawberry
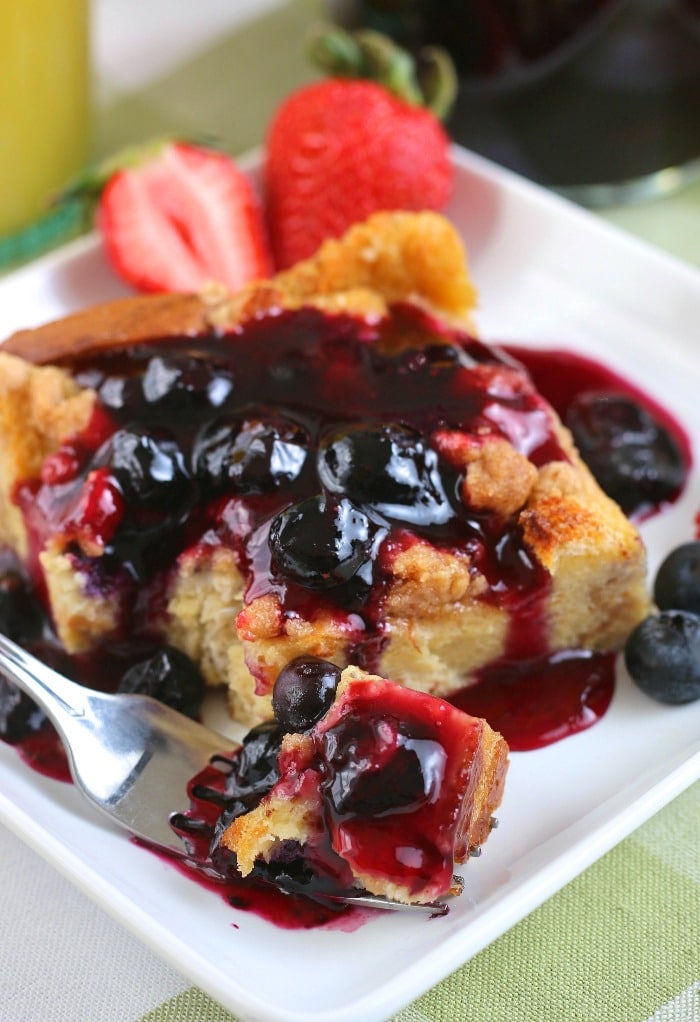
pixel 343 148
pixel 184 216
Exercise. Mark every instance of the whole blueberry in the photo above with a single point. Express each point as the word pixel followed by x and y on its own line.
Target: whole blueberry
pixel 662 656
pixel 19 716
pixel 303 692
pixel 677 582
pixel 320 542
pixel 178 384
pixel 169 676
pixel 388 466
pixel 250 455
pixel 373 769
pixel 634 458
pixel 149 467
pixel 169 387
pixel 21 619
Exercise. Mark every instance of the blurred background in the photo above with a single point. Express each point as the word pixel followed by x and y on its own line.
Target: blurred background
pixel 599 99
pixel 590 96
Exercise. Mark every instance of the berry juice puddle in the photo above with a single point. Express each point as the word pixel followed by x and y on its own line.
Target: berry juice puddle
pixel 309 445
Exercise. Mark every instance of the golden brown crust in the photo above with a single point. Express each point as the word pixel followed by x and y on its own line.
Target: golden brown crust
pixel 38 408
pixel 425 580
pixel 391 257
pixel 498 478
pixel 277 818
pixel 397 256
pixel 120 323
pixel 488 791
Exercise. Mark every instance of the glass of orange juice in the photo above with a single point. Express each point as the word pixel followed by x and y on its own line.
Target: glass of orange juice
pixel 44 106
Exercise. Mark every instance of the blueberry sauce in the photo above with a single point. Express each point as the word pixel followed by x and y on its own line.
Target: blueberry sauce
pixel 388 769
pixel 392 783
pixel 261 441
pixel 314 447
pixel 637 451
pixel 534 703
pixel 219 793
pixel 309 445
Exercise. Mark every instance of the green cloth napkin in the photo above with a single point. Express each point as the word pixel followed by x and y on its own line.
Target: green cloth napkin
pixel 58 226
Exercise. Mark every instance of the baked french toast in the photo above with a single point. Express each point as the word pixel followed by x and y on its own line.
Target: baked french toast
pixel 384 791
pixel 327 463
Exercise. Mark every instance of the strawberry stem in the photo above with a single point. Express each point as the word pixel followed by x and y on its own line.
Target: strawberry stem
pixel 365 53
pixel 438 81
pixel 390 65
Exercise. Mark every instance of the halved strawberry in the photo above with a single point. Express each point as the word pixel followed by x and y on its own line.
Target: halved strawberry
pixel 182 217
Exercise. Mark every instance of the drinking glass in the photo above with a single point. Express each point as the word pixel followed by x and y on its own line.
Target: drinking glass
pixel 44 118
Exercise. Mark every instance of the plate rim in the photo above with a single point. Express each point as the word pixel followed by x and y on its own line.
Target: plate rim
pixel 385 997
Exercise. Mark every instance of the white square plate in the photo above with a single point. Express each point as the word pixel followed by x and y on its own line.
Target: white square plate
pixel 549 275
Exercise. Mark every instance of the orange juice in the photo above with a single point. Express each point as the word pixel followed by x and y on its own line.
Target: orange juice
pixel 43 103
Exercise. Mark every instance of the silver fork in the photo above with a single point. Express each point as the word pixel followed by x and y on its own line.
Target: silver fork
pixel 132 757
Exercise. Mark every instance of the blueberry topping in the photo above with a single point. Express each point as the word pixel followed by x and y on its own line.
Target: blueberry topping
pixel 21 618
pixel 148 466
pixel 176 385
pixel 169 676
pixel 255 770
pixel 249 456
pixel 663 656
pixel 19 716
pixel 303 692
pixel 373 769
pixel 288 870
pixel 254 773
pixel 321 542
pixel 677 583
pixel 169 387
pixel 634 458
pixel 389 467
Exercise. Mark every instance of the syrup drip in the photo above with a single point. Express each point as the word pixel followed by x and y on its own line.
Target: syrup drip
pixel 285 909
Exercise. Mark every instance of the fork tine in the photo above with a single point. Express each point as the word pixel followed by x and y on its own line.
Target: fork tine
pixel 366 900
